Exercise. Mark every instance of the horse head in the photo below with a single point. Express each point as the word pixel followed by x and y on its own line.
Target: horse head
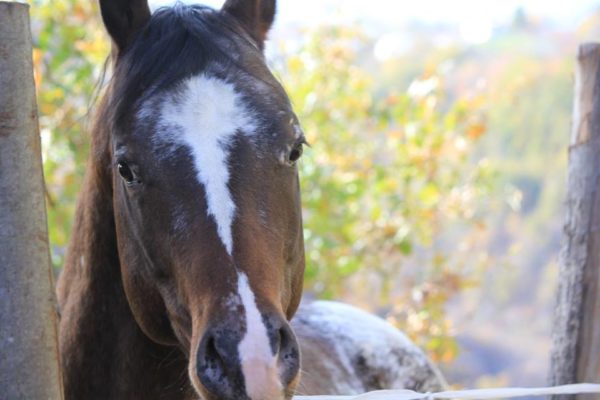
pixel 203 145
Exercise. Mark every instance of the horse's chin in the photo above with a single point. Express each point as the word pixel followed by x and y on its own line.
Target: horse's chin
pixel 268 394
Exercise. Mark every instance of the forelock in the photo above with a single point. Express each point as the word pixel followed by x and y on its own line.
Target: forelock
pixel 178 42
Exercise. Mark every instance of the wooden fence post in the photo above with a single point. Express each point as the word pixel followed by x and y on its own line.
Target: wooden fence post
pixel 29 366
pixel 576 331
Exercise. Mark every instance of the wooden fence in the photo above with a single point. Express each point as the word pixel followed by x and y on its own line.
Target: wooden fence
pixel 576 330
pixel 29 366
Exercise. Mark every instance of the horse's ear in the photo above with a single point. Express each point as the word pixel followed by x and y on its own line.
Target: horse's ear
pixel 123 19
pixel 256 16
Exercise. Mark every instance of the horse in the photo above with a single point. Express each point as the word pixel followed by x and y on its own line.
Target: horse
pixel 347 351
pixel 186 259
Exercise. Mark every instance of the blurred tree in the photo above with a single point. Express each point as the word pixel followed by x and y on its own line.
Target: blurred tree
pixel 69 54
pixel 390 184
pixel 520 19
pixel 392 193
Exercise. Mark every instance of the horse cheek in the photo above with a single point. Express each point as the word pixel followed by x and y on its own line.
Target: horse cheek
pixel 147 305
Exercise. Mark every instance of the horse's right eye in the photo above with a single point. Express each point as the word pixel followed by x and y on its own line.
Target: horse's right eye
pixel 296 153
pixel 126 173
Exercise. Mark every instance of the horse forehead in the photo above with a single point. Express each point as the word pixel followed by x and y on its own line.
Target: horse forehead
pixel 205 114
pixel 210 106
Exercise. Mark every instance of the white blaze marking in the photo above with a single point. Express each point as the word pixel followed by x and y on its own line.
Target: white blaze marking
pixel 210 112
pixel 259 365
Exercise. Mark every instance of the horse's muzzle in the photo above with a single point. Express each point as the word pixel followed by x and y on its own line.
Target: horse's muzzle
pixel 232 366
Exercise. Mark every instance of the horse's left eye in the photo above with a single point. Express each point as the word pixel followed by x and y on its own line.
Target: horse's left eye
pixel 296 153
pixel 126 173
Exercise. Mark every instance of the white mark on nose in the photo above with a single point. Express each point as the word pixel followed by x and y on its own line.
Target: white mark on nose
pixel 259 364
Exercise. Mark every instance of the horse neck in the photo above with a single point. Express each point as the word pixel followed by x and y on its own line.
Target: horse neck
pixel 89 290
pixel 92 258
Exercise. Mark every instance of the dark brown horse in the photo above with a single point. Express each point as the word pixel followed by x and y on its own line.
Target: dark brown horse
pixel 187 254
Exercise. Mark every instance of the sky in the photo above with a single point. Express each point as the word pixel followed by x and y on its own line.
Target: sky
pixel 399 11
pixel 475 20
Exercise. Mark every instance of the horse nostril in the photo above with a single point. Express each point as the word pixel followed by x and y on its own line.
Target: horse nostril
pixel 211 355
pixel 212 367
pixel 280 339
pixel 289 356
pixel 284 340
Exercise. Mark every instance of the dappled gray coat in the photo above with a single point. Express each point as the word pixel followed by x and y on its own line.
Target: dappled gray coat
pixel 351 352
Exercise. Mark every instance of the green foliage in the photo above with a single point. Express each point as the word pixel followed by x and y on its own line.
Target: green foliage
pixel 389 176
pixel 69 53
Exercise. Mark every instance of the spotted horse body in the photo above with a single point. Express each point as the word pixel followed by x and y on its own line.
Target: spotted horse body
pixel 347 351
pixel 186 260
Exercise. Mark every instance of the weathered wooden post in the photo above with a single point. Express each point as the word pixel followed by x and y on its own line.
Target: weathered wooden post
pixel 576 336
pixel 29 366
